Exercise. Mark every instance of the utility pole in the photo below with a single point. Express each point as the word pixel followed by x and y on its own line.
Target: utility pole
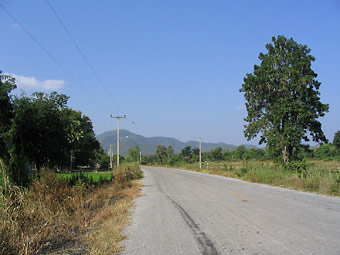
pixel 200 153
pixel 111 154
pixel 140 157
pixel 118 118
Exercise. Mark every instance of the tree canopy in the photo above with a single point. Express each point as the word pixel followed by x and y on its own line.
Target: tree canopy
pixel 7 84
pixel 283 99
pixel 336 140
pixel 40 130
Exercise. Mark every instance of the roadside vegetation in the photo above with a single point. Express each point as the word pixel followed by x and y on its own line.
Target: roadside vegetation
pixel 57 195
pixel 60 215
pixel 317 170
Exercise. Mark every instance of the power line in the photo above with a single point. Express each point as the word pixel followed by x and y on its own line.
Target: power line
pixel 84 57
pixel 51 57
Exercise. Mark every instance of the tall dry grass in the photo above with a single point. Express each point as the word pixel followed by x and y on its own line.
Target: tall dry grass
pixel 315 176
pixel 52 217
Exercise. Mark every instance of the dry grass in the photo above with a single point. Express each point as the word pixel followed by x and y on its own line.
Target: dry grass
pixel 105 238
pixel 53 218
pixel 319 177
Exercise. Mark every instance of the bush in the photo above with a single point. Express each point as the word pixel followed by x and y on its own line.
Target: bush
pixel 241 172
pixel 124 174
pixel 299 167
pixel 80 179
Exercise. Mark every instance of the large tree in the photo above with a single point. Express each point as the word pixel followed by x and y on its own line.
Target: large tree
pixel 7 84
pixel 283 99
pixel 39 131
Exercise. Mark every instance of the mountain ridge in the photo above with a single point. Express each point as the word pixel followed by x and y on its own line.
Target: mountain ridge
pixel 148 145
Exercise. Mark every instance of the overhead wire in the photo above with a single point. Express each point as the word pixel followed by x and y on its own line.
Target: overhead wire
pixel 84 57
pixel 52 57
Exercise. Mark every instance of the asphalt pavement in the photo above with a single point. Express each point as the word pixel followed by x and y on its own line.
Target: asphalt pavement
pixel 182 212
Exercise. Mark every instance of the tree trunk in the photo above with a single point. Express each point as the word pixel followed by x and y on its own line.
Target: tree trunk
pixel 285 154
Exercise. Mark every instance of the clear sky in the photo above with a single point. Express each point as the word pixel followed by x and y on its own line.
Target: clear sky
pixel 173 67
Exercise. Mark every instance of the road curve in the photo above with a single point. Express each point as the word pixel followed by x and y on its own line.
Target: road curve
pixel 184 212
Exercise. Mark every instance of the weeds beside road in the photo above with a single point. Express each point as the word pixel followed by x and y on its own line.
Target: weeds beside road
pixel 53 216
pixel 315 176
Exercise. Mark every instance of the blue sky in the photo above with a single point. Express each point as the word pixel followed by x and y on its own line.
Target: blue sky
pixel 173 67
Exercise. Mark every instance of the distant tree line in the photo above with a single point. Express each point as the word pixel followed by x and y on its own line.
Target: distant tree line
pixel 41 131
pixel 165 155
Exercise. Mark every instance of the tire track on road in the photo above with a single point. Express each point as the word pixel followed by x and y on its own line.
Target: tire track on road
pixel 205 244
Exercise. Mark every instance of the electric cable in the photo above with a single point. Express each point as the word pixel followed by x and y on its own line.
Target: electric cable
pixel 84 57
pixel 52 57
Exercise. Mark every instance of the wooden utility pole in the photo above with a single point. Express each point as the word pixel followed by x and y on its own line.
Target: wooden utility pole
pixel 111 155
pixel 200 153
pixel 118 118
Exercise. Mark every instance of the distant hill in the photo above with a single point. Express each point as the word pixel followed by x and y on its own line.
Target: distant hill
pixel 148 145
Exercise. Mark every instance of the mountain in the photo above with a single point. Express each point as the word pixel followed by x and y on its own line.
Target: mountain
pixel 148 145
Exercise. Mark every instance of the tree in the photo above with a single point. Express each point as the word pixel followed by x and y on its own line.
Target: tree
pixel 133 155
pixel 169 151
pixel 186 151
pixel 38 131
pixel 82 142
pixel 336 140
pixel 282 98
pixel 238 153
pixel 7 84
pixel 161 154
pixel 101 160
pixel 325 151
pixel 216 154
pixel 196 151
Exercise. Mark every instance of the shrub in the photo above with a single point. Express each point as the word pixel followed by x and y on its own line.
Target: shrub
pixel 299 167
pixel 124 174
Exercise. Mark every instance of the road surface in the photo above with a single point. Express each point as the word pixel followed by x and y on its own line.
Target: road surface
pixel 182 212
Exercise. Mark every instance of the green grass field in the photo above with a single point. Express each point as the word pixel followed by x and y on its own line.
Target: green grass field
pixel 95 176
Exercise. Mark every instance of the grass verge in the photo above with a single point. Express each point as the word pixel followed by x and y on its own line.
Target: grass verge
pixel 53 217
pixel 315 176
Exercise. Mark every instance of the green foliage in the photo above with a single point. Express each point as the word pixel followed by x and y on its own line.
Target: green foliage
pixel 6 112
pixel 169 151
pixel 195 151
pixel 186 151
pixel 336 140
pixel 38 130
pixel 133 155
pixel 299 167
pixel 85 179
pixel 241 172
pixel 238 153
pixel 100 160
pixel 283 101
pixel 216 154
pixel 325 151
pixel 82 142
pixel 149 159
pixel 161 154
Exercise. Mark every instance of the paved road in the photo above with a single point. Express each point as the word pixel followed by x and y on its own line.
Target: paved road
pixel 184 212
